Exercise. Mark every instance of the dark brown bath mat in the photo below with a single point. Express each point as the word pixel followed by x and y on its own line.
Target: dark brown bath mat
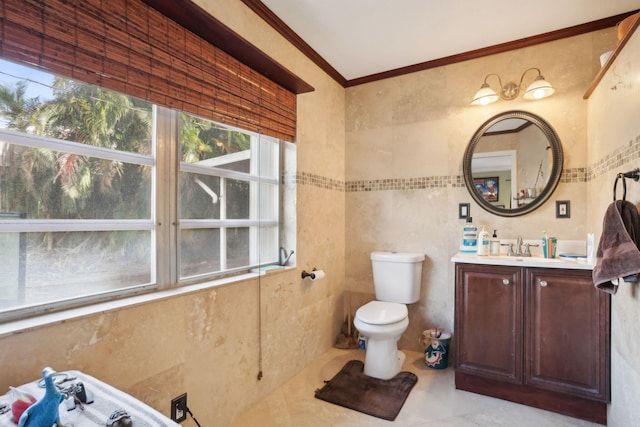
pixel 352 389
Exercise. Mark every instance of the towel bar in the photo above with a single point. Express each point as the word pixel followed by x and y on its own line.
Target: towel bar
pixel 634 174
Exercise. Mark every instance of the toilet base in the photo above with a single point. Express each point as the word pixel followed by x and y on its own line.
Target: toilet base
pixel 382 359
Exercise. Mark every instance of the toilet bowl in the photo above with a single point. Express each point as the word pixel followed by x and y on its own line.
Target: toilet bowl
pixel 396 279
pixel 382 323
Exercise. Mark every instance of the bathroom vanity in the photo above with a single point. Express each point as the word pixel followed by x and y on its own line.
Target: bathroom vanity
pixel 533 331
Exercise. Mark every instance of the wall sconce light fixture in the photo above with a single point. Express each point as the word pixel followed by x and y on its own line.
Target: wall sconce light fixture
pixel 538 89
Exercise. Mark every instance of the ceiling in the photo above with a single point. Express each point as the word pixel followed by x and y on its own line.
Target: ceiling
pixel 360 38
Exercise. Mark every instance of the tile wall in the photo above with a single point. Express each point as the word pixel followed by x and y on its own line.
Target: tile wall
pixel 405 139
pixel 614 147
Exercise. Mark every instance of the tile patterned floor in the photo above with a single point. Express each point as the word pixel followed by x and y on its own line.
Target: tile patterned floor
pixel 433 402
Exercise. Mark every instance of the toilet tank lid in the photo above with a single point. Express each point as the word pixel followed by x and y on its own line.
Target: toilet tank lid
pixel 382 313
pixel 397 256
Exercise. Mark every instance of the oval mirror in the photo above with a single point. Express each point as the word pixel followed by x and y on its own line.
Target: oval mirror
pixel 513 163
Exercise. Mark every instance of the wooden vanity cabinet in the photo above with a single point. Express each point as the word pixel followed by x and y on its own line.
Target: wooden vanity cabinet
pixel 488 322
pixel 536 336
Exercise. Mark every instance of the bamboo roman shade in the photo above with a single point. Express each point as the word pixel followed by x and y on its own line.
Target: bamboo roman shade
pixel 126 46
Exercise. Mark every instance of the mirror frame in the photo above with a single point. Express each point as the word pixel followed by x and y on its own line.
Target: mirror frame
pixel 554 176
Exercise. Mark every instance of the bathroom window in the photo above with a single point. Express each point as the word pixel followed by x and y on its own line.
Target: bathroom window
pixel 228 198
pixel 92 182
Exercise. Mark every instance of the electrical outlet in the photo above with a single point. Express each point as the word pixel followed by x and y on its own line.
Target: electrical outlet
pixel 179 408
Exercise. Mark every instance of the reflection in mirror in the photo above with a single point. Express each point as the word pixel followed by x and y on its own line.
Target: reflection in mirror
pixel 513 163
pixel 516 153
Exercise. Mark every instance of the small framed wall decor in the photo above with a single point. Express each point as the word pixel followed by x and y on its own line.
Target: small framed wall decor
pixel 487 187
pixel 563 209
pixel 463 210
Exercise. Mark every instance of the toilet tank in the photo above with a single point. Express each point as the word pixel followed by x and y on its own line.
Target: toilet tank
pixel 397 276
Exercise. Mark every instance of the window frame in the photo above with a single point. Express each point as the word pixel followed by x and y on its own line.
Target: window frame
pixel 164 223
pixel 255 223
pixel 26 225
pixel 189 71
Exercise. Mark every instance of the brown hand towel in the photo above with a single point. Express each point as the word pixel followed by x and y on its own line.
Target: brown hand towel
pixel 618 254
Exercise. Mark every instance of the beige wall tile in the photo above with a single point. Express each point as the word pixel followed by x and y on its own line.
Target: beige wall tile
pixel 614 147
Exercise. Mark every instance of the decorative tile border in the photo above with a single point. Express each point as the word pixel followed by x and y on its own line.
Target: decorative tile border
pixel 614 160
pixel 419 183
pixel 573 175
pixel 314 180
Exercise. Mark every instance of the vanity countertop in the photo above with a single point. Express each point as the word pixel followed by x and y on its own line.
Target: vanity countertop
pixel 532 261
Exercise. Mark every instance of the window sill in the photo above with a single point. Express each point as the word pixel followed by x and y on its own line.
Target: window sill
pixel 36 322
pixel 271 269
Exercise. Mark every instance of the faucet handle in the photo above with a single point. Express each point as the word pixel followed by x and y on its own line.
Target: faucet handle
pixel 527 252
pixel 510 251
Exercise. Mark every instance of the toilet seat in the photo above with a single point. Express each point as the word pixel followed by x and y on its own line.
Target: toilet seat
pixel 382 313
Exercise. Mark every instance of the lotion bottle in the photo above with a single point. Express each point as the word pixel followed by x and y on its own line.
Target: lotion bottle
pixel 483 242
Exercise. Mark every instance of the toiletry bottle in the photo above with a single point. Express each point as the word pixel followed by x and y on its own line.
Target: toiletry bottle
pixel 483 242
pixel 494 244
pixel 469 237
pixel 552 245
pixel 591 248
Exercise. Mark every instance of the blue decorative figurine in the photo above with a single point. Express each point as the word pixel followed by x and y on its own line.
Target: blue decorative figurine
pixel 44 413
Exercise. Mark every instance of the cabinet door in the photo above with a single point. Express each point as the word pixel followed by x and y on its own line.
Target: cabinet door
pixel 567 333
pixel 488 321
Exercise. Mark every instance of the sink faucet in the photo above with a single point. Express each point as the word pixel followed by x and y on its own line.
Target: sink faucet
pixel 519 248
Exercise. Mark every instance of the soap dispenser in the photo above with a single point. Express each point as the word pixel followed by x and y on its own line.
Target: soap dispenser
pixel 494 244
pixel 483 242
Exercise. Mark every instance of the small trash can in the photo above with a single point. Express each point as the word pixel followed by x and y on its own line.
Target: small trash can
pixel 362 341
pixel 436 352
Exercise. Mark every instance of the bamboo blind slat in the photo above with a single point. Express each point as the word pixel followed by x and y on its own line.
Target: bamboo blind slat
pixel 125 45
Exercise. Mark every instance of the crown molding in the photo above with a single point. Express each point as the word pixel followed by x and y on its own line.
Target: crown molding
pixel 268 16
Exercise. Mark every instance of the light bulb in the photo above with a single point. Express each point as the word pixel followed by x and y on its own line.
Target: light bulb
pixel 538 93
pixel 540 88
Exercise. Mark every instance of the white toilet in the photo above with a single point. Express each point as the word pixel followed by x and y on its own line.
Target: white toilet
pixel 396 278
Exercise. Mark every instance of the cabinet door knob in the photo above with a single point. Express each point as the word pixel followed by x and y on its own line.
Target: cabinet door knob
pixel 505 281
pixel 543 283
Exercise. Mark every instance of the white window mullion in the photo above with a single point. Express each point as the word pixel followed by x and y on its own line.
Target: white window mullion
pixel 54 144
pixel 186 224
pixel 223 230
pixel 254 202
pixel 166 233
pixel 64 225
